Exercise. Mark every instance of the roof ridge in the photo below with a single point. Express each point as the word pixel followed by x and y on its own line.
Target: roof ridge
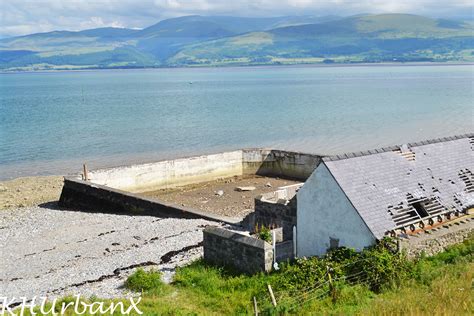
pixel 391 148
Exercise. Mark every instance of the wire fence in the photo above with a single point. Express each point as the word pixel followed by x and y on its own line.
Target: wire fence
pixel 319 290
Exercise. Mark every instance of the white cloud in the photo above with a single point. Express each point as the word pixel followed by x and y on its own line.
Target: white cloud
pixel 20 17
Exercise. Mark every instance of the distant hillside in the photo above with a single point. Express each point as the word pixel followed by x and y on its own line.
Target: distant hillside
pixel 372 38
pixel 222 40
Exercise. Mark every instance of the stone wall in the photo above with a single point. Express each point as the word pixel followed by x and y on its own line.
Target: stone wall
pixel 280 213
pixel 244 253
pixel 284 251
pixel 437 240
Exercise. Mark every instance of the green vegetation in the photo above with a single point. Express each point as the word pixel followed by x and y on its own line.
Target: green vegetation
pixel 222 41
pixel 377 281
pixel 264 233
pixel 141 281
pixel 374 282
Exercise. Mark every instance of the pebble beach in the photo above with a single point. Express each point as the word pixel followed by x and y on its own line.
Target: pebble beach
pixel 47 251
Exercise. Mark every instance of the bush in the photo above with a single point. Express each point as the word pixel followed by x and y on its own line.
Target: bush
pixel 142 281
pixel 301 274
pixel 454 253
pixel 379 267
pixel 264 233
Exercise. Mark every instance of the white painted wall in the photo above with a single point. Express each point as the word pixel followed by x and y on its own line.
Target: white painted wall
pixel 323 212
pixel 170 173
pixel 190 170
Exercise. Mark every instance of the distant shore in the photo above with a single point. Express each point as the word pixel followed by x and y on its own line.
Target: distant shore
pixel 296 65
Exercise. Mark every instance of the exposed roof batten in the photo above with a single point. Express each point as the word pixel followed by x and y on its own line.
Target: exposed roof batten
pixel 391 190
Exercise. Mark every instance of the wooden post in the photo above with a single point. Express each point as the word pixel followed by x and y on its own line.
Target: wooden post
pixel 85 175
pixel 332 289
pixel 255 307
pixel 271 295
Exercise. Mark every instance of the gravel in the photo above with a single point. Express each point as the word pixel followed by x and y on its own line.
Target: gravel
pixel 51 252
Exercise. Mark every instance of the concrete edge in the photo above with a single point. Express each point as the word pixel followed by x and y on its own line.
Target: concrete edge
pixel 133 200
pixel 242 150
pixel 227 234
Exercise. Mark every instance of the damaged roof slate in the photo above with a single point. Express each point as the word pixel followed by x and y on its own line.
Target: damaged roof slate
pixel 375 181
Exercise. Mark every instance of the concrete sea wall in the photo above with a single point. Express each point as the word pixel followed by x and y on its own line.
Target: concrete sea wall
pixel 84 195
pixel 184 171
pixel 113 189
pixel 170 173
pixel 279 163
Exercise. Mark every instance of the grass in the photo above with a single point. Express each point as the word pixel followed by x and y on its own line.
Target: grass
pixel 438 285
pixel 141 281
pixel 374 282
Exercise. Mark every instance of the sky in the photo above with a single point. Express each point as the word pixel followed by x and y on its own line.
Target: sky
pixel 20 17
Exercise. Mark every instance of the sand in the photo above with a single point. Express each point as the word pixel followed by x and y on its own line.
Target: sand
pixel 30 191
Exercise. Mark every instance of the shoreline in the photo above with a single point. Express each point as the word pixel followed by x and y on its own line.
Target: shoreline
pixel 29 191
pixel 296 65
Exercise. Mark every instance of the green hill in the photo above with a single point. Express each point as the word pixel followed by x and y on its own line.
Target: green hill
pixel 372 38
pixel 223 40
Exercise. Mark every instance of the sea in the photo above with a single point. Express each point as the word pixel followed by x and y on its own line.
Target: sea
pixel 53 122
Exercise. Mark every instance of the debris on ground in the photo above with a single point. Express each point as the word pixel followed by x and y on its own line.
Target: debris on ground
pixel 243 189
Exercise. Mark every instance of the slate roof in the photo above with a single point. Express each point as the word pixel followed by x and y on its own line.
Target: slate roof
pixel 383 184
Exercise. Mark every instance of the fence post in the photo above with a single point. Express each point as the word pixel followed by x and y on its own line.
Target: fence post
pixel 271 295
pixel 332 289
pixel 255 307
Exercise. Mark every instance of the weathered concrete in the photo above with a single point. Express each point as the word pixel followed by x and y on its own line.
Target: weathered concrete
pixel 112 190
pixel 170 173
pixel 244 253
pixel 98 198
pixel 279 163
pixel 190 170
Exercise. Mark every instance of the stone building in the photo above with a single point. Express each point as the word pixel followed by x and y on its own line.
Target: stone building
pixel 355 199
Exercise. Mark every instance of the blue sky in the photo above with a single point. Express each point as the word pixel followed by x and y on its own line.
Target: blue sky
pixel 19 17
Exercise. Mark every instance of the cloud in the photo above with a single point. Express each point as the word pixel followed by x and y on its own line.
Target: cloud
pixel 19 17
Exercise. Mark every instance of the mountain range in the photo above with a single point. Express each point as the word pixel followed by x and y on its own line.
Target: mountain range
pixel 224 40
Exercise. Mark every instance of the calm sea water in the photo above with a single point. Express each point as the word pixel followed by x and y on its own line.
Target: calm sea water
pixel 50 123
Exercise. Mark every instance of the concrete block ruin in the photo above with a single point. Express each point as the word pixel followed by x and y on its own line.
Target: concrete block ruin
pixel 244 253
pixel 119 190
pixel 277 209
